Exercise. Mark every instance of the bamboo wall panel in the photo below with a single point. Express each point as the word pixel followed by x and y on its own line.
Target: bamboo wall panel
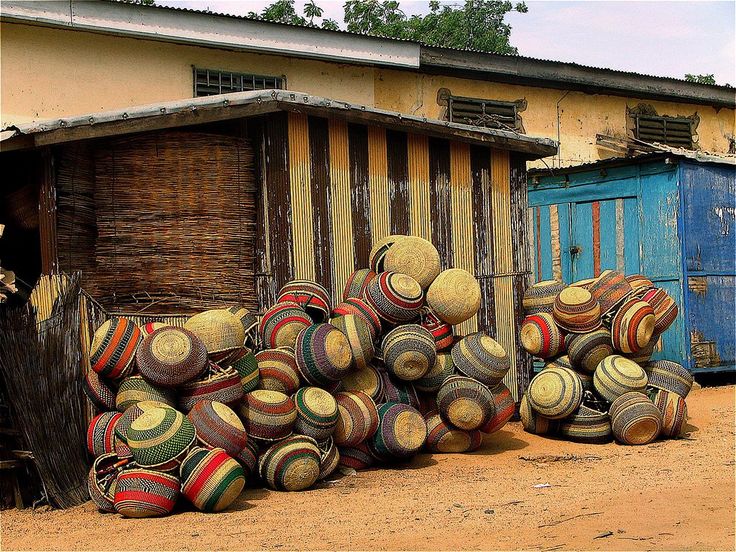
pixel 484 231
pixel 398 178
pixel 319 147
pixel 341 204
pixel 378 183
pixel 418 168
pixel 440 199
pixel 301 195
pixel 360 194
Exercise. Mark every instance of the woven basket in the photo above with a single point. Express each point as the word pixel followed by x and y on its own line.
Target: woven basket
pixel 268 415
pixel 444 438
pixel 454 296
pixel 218 426
pixel 442 369
pixel 360 338
pixel 669 376
pixel 674 412
pixel 219 384
pixel 316 413
pixel 149 327
pixel 367 380
pixel 415 257
pixel 362 309
pixel 101 481
pixel 248 319
pixel 540 297
pixel 211 480
pixel 397 298
pixel 586 351
pixel 399 391
pixel 358 457
pixel 634 419
pixel 170 357
pixel 248 458
pixel 329 458
pixel 101 433
pixel 541 337
pixel 504 409
pixel 409 352
pixel 401 432
pixel 113 348
pixel 130 414
pixel 560 362
pixel 323 355
pixel 357 418
pixel 643 356
pixel 616 375
pixel 160 437
pixel 480 357
pixel 587 426
pixel 98 391
pixel 219 329
pixel 633 326
pixel 291 465
pixel 441 331
pixel 639 285
pixel 281 324
pixel 665 309
pixel 357 282
pixel 465 403
pixel 277 370
pixel 535 423
pixel 246 366
pixel 610 289
pixel 135 389
pixel 584 283
pixel 378 252
pixel 575 310
pixel 310 296
pixel 141 493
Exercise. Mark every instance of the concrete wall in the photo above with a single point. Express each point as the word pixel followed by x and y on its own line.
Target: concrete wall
pixel 47 73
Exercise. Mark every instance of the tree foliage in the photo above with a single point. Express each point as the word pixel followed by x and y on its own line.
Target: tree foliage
pixel 701 79
pixel 284 11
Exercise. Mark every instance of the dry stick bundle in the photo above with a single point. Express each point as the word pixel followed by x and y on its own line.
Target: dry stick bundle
pixel 40 367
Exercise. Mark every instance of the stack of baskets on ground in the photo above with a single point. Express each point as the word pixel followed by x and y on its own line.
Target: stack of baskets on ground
pixel 293 395
pixel 598 383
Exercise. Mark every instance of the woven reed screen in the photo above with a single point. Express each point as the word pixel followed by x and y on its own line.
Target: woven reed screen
pixel 160 223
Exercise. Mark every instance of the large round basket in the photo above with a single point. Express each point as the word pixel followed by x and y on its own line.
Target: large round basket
pixel 409 352
pixel 454 296
pixel 248 458
pixel 639 284
pixel 634 419
pixel 246 365
pixel 610 289
pixel 503 411
pixel 401 432
pixel 540 297
pixel 101 486
pixel 617 375
pixel 576 310
pixel 310 296
pixel 277 370
pixel 281 324
pixel 674 412
pixel 361 309
pixel 101 433
pixel 555 392
pixel 541 337
pixel 442 369
pixel 358 457
pixel 323 355
pixel 329 458
pixel 141 493
pixel 665 309
pixel 587 426
pixel 248 319
pixel 316 413
pixel 211 480
pixel 465 403
pixel 396 297
pixel 585 351
pixel 160 437
pixel 444 438
pixel 291 465
pixel 100 393
pixel 113 348
pixel 357 418
pixel 130 414
pixel 633 326
pixel 357 282
pixel 669 376
pixel 377 254
pixel 535 423
pixel 219 384
pixel 219 329
pixel 135 389
pixel 360 338
pixel 399 391
pixel 218 426
pixel 415 257
pixel 644 355
pixel 268 415
pixel 481 357
pixel 171 356
pixel 149 327
pixel 367 380
pixel 441 331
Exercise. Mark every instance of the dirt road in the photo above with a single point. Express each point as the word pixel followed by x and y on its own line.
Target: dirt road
pixel 676 494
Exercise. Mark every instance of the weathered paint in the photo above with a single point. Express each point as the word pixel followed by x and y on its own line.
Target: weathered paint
pixel 418 168
pixel 440 198
pixel 360 194
pixel 300 179
pixel 399 202
pixel 319 158
pixel 341 207
pixel 378 183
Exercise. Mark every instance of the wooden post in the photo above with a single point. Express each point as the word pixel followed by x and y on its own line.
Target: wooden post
pixel 47 213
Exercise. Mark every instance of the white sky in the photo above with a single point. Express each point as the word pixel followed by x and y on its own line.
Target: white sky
pixel 667 38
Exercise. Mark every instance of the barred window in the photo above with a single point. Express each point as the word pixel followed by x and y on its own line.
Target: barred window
pixel 671 131
pixel 487 113
pixel 208 82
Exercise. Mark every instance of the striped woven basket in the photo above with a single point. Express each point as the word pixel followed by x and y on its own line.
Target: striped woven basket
pixel 397 298
pixel 100 393
pixel 617 375
pixel 316 413
pixel 587 350
pixel 357 418
pixel 505 408
pixel 610 289
pixel 360 338
pixel 248 319
pixel 219 384
pixel 367 380
pixel 358 457
pixel 361 308
pixel 644 355
pixel 101 433
pixel 635 420
pixel 268 415
pixel 135 389
pixel 291 465
pixel 481 357
pixel 149 327
pixel 674 412
pixel 310 296
pixel 540 297
pixel 639 284
pixel 409 352
pixel 665 309
pixel 415 257
pixel 211 480
pixel 246 365
pixel 444 438
pixel 378 252
pixel 101 481
pixel 281 324
pixel 465 403
pixel 141 493
pixel 277 370
pixel 323 355
pixel 329 458
pixel 632 326
pixel 219 329
pixel 113 348
pixel 442 369
pixel 555 393
pixel 248 458
pixel 399 391
pixel 454 296
pixel 401 432
pixel 587 426
pixel 533 422
pixel 576 310
pixel 130 414
pixel 218 426
pixel 357 282
pixel 541 337
pixel 441 331
pixel 160 438
pixel 669 376
pixel 170 357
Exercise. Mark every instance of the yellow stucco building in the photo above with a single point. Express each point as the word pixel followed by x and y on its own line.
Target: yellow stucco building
pixel 61 59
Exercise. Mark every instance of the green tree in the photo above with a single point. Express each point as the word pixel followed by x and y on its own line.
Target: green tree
pixel 283 11
pixel 701 79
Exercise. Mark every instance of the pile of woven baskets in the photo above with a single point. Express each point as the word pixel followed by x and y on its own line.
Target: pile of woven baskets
pixel 598 382
pixel 292 395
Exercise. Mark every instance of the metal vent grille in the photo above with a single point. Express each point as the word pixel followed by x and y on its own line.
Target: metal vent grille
pixel 665 130
pixel 487 113
pixel 208 82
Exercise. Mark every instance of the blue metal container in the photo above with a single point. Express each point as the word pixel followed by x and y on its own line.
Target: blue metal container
pixel 667 216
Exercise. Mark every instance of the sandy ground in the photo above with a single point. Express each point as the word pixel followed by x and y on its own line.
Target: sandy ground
pixel 676 494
